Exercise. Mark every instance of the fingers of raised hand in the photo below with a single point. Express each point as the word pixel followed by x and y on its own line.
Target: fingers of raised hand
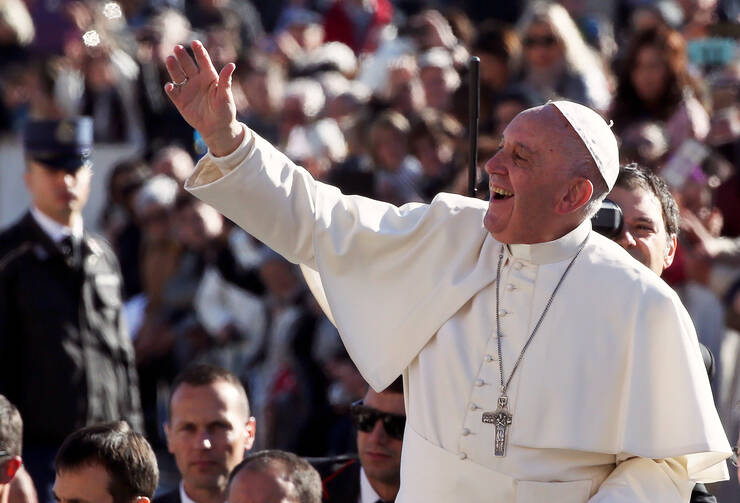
pixel 186 62
pixel 202 57
pixel 173 68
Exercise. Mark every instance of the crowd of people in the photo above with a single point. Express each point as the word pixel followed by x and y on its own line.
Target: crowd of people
pixel 370 96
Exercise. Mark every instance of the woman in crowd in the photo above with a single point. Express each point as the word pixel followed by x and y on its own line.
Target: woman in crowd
pixel 557 61
pixel 654 84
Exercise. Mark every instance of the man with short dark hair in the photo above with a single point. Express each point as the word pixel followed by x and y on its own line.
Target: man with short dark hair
pixel 650 213
pixel 208 431
pixel 105 463
pixel 380 419
pixel 64 345
pixel 11 440
pixel 274 477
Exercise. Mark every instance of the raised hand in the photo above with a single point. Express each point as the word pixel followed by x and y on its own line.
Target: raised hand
pixel 204 99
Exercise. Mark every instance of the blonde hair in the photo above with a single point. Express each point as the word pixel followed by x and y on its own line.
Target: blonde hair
pixel 578 55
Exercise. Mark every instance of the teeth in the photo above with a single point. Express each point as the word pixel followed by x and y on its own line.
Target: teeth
pixel 503 192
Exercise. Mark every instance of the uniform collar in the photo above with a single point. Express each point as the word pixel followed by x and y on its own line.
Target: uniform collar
pixel 552 251
pixel 54 229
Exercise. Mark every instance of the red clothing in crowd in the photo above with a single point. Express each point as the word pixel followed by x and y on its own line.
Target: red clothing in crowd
pixel 339 26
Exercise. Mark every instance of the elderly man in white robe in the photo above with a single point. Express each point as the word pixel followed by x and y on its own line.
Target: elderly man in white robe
pixel 526 378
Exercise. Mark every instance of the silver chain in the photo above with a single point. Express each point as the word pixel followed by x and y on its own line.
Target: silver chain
pixel 505 386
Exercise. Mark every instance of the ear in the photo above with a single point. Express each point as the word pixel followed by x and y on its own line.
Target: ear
pixel 167 434
pixel 670 252
pixel 9 469
pixel 577 194
pixel 250 429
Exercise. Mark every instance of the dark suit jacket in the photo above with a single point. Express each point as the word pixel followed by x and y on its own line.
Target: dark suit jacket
pixel 170 497
pixel 340 477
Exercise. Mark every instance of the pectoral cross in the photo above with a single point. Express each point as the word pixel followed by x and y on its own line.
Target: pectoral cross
pixel 501 419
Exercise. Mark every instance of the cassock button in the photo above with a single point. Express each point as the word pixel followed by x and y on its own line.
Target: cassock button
pixel 465 432
pixel 463 456
pixel 479 382
pixel 504 312
pixel 511 287
pixel 489 358
pixel 473 406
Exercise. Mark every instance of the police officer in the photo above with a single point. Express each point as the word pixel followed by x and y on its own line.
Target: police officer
pixel 65 356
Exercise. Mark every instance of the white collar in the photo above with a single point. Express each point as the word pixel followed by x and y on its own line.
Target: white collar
pixel 184 498
pixel 552 251
pixel 367 493
pixel 54 229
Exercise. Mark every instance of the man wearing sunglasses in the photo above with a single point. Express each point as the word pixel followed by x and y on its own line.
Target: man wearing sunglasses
pixel 380 419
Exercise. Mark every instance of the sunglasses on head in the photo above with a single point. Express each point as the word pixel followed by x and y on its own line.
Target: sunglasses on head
pixel 546 41
pixel 365 418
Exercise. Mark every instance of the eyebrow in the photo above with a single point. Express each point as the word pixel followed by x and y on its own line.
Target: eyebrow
pixel 526 149
pixel 645 219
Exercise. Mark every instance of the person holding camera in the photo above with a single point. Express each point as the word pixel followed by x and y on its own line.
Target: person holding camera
pixel 525 378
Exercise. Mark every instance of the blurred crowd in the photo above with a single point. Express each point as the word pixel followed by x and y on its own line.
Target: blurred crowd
pixel 372 97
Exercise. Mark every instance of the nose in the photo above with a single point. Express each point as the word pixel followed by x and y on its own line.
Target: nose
pixel 203 440
pixel 494 165
pixel 626 240
pixel 378 433
pixel 68 179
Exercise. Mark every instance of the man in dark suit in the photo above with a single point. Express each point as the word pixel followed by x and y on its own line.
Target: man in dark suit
pixel 64 346
pixel 208 431
pixel 380 419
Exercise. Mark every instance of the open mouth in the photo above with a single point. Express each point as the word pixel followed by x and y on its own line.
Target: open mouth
pixel 497 193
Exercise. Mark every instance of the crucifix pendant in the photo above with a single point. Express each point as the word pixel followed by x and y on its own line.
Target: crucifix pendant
pixel 501 419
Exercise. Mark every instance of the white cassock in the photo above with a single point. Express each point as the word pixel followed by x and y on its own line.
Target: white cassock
pixel 611 402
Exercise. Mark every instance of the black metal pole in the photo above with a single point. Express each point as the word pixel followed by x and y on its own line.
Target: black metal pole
pixel 473 114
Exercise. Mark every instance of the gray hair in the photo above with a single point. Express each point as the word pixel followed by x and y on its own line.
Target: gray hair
pixel 310 93
pixel 159 189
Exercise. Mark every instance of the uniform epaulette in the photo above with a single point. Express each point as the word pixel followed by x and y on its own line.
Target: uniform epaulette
pixel 14 254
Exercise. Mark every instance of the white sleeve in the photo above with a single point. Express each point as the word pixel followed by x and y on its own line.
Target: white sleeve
pixel 366 256
pixel 641 480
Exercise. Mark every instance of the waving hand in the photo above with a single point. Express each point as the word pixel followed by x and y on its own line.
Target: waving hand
pixel 203 97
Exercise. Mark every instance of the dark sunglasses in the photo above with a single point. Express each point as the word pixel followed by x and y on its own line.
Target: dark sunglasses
pixel 546 41
pixel 365 418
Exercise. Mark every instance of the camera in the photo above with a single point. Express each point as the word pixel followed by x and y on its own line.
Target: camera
pixel 608 220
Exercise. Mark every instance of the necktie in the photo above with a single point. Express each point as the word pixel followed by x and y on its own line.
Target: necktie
pixel 68 249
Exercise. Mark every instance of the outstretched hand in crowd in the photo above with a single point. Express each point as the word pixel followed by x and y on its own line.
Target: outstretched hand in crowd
pixel 204 98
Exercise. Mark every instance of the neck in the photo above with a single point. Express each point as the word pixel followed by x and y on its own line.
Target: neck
pixel 66 218
pixel 387 491
pixel 205 495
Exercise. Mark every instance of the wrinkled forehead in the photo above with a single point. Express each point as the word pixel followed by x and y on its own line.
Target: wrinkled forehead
pixel 541 129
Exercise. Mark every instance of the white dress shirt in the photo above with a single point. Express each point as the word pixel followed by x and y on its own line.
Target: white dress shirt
pixel 367 493
pixel 184 498
pixel 611 401
pixel 54 229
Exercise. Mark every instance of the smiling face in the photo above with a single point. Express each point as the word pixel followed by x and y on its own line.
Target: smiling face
pixel 208 433
pixel 529 176
pixel 644 233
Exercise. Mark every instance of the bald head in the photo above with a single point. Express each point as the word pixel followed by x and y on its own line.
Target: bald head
pixel 543 180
